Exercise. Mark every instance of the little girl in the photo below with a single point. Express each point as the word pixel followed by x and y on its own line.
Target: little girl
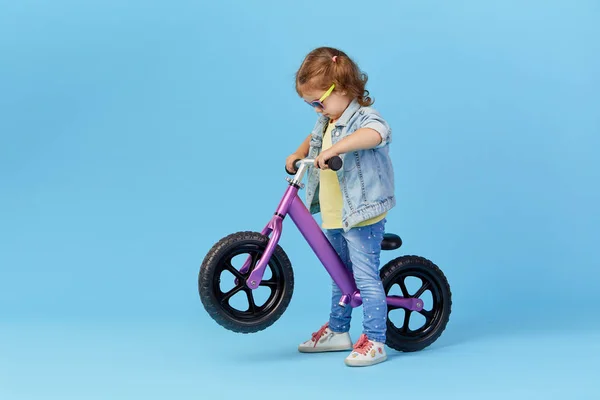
pixel 353 201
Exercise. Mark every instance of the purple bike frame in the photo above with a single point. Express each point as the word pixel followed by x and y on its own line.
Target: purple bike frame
pixel 292 204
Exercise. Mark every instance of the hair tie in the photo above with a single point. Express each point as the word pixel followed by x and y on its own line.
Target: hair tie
pixel 334 58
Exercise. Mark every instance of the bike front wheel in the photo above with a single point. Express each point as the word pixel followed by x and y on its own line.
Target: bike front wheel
pixel 223 290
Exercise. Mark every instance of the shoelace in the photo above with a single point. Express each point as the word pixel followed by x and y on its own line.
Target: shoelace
pixel 317 335
pixel 363 345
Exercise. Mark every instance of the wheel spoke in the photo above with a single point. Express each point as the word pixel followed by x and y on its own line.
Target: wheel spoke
pixel 232 292
pixel 406 321
pixel 255 257
pixel 423 288
pixel 403 288
pixel 270 283
pixel 427 314
pixel 251 303
pixel 234 271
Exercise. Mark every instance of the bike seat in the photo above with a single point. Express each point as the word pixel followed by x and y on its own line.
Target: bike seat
pixel 390 241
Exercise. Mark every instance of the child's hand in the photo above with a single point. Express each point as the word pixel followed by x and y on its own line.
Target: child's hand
pixel 289 162
pixel 321 160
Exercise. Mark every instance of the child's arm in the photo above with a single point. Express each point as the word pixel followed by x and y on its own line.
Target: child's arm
pixel 301 152
pixel 361 139
pixel 303 148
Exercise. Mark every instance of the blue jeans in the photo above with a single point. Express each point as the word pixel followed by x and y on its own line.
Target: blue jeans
pixel 359 249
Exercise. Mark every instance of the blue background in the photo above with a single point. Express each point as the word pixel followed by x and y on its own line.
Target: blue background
pixel 134 135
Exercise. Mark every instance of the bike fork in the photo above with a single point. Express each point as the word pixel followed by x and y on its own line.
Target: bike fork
pixel 275 226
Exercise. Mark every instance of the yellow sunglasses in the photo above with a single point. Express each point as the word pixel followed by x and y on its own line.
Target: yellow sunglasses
pixel 319 102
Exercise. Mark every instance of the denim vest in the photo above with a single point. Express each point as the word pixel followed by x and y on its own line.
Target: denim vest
pixel 366 177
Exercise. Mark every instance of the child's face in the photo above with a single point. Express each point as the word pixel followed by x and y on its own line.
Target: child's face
pixel 333 106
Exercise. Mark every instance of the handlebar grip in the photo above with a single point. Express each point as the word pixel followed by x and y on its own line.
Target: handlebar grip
pixel 292 173
pixel 335 163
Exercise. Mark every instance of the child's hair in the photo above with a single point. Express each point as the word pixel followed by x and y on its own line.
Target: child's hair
pixel 326 65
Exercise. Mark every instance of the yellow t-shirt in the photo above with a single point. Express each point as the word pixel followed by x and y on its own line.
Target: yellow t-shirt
pixel 330 194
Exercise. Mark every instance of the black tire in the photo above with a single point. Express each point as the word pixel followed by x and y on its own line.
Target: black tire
pixel 216 302
pixel 433 279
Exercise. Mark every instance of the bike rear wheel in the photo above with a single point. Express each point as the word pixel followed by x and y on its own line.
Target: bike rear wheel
pixel 414 330
pixel 222 287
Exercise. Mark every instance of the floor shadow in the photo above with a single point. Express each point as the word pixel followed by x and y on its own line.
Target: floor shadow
pixel 471 328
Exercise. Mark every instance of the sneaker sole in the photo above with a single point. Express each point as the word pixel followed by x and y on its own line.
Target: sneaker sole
pixel 323 349
pixel 364 363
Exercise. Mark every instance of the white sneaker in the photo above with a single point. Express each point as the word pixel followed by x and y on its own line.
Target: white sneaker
pixel 326 340
pixel 366 352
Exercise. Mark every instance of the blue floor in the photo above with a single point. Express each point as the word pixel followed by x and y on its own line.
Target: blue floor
pixel 178 359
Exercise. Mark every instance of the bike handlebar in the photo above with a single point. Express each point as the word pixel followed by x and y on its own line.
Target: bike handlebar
pixel 335 163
